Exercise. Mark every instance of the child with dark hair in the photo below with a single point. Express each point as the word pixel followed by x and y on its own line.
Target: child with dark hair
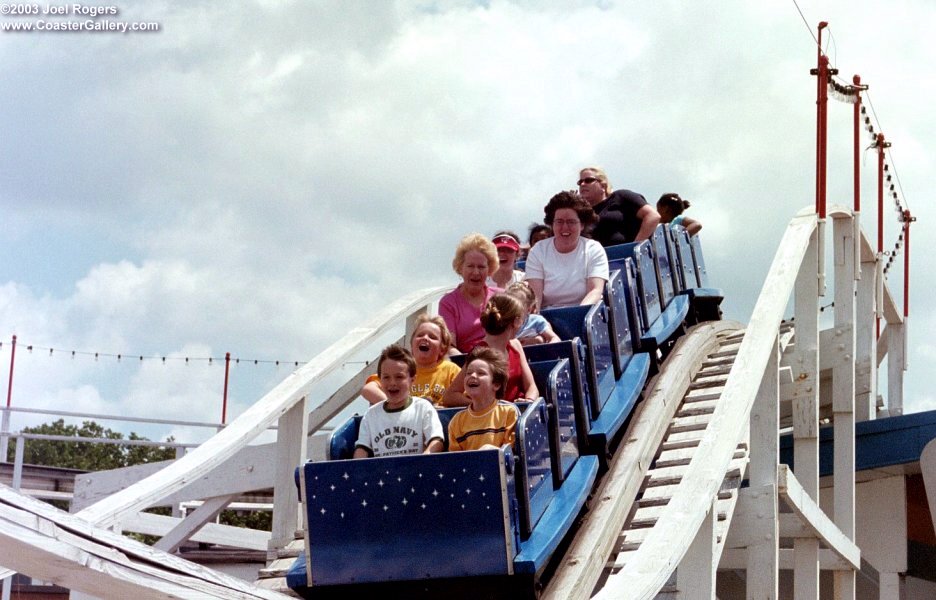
pixel 671 208
pixel 537 233
pixel 486 423
pixel 401 424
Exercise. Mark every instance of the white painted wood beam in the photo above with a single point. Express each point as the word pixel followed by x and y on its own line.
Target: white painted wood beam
pixel 291 449
pixel 735 559
pixel 892 314
pixel 44 550
pixel 866 340
pixel 695 576
pixel 808 510
pixel 805 364
pixel 762 581
pixel 255 419
pixel 645 573
pixel 246 471
pixel 82 536
pixel 343 396
pixel 896 365
pixel 211 533
pixel 743 532
pixel 843 390
pixel 193 522
pixel 584 561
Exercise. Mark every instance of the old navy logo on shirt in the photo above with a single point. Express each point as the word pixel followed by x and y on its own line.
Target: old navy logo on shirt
pixel 394 438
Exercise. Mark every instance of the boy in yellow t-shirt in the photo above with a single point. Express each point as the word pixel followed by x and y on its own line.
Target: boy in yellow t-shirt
pixel 487 422
pixel 434 372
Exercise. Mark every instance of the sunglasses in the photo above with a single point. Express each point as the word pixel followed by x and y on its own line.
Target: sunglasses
pixel 587 180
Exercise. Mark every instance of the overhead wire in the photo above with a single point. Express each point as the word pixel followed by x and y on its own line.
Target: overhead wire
pixel 848 93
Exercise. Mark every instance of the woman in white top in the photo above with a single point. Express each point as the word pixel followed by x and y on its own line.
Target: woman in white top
pixel 567 269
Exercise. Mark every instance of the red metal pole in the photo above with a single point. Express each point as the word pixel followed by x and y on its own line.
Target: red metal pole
pixel 818 111
pixel 856 80
pixel 907 220
pixel 823 131
pixel 820 86
pixel 227 370
pixel 880 190
pixel 9 395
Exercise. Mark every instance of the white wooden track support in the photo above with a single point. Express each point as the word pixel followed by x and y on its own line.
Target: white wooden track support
pixel 49 544
pixel 729 418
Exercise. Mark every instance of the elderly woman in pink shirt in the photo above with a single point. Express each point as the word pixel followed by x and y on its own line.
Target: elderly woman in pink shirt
pixel 475 260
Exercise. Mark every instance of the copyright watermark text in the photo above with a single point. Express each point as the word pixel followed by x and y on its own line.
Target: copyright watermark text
pixel 43 18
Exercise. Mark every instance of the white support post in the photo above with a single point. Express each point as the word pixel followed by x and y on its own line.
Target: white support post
pixel 889 586
pixel 805 366
pixel 896 358
pixel 763 553
pixel 4 434
pixel 695 577
pixel 176 508
pixel 18 462
pixel 843 391
pixel 820 230
pixel 291 442
pixel 866 341
pixel 17 483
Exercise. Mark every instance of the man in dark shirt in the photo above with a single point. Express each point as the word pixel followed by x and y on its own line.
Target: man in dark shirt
pixel 623 216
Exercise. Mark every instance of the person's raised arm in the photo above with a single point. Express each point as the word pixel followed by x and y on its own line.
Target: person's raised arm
pixel 372 392
pixel 649 219
pixel 692 226
pixel 454 394
pixel 550 336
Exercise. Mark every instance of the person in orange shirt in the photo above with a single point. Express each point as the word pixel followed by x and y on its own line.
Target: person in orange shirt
pixel 435 374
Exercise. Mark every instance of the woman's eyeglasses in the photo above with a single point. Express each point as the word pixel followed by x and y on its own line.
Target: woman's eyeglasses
pixel 587 180
pixel 563 222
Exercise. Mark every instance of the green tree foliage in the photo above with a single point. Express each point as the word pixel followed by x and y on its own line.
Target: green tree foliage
pixel 99 457
pixel 87 456
pixel 253 520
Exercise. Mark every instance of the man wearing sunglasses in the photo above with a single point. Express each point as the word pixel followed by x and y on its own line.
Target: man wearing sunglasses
pixel 623 216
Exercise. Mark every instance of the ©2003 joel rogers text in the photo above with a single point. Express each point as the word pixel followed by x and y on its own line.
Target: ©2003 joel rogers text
pixel 68 18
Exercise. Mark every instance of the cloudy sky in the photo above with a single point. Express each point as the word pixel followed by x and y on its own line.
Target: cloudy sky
pixel 258 177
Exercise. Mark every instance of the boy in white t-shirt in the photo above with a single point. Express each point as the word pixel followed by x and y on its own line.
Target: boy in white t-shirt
pixel 401 424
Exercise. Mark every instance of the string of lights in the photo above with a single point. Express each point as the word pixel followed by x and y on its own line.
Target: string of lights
pixel 898 246
pixel 138 357
pixel 850 94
